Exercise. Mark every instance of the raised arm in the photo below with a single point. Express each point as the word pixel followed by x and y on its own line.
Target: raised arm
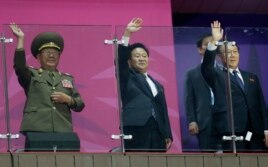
pixel 20 67
pixel 123 51
pixel 207 66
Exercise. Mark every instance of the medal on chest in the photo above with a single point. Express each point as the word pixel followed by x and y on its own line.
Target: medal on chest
pixel 66 83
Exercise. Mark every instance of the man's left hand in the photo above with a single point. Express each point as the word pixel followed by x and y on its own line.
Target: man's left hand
pixel 266 139
pixel 59 97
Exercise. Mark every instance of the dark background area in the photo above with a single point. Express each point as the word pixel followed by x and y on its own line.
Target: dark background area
pixel 231 13
pixel 227 20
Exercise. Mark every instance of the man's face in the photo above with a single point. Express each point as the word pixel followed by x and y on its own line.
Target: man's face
pixel 49 58
pixel 233 54
pixel 204 45
pixel 139 60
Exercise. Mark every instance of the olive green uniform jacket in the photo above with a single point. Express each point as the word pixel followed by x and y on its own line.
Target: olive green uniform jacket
pixel 40 113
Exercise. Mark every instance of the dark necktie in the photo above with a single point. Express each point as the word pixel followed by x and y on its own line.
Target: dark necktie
pixel 238 80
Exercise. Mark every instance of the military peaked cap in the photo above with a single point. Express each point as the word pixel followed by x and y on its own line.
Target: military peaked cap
pixel 47 40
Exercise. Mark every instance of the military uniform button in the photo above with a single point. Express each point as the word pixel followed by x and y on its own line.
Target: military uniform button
pixel 54 108
pixel 53 88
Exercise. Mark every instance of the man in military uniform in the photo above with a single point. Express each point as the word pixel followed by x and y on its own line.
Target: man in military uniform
pixel 51 95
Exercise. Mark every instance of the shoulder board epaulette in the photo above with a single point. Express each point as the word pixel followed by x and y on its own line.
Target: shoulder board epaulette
pixel 67 74
pixel 32 67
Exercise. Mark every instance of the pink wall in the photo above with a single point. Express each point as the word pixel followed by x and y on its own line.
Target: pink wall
pixel 86 12
pixel 90 61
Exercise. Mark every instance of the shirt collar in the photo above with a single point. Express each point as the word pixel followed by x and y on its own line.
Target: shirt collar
pixel 237 69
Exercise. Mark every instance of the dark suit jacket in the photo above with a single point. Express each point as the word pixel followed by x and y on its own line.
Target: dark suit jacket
pixel 197 98
pixel 40 113
pixel 137 98
pixel 248 105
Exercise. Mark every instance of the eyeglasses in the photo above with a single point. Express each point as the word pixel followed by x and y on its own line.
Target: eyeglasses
pixel 229 52
pixel 48 53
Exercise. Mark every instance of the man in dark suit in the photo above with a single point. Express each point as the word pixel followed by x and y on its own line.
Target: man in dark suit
pixel 145 114
pixel 199 100
pixel 249 112
pixel 51 94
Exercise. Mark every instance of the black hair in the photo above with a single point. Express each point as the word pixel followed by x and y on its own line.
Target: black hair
pixel 201 39
pixel 219 47
pixel 138 45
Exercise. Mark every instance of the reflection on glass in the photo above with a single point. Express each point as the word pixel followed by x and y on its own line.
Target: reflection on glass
pixel 173 52
pixel 92 129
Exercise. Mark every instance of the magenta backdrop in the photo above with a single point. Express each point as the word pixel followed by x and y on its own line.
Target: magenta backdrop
pixel 90 61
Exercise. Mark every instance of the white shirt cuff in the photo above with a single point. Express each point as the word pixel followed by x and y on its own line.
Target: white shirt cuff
pixel 126 40
pixel 211 47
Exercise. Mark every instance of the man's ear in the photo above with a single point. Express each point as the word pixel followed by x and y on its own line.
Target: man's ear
pixel 199 50
pixel 129 62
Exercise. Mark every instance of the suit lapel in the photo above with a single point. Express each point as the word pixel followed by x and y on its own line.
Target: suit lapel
pixel 144 84
pixel 47 77
pixel 158 87
pixel 57 79
pixel 246 80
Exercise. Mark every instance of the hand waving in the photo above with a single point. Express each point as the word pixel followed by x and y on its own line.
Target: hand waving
pixel 134 25
pixel 217 31
pixel 16 30
pixel 18 33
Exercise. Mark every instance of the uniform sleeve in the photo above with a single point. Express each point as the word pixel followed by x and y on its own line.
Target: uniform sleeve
pixel 21 69
pixel 78 103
